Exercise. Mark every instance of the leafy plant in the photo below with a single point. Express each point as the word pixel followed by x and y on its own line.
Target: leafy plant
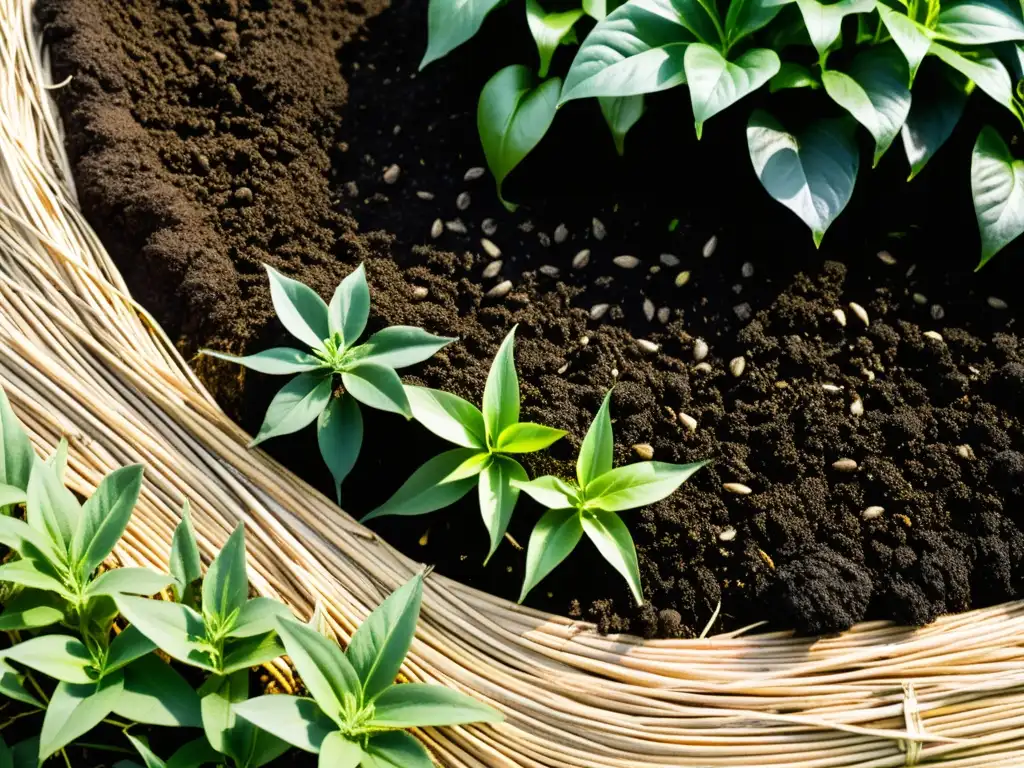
pixel 367 371
pixel 485 438
pixel 357 715
pixel 588 505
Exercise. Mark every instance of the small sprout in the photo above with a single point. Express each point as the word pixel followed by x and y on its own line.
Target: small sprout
pixel 688 421
pixel 420 292
pixel 829 387
pixel 934 335
pixel 886 258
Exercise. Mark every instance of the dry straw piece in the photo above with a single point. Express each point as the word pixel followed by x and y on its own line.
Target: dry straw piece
pixel 79 358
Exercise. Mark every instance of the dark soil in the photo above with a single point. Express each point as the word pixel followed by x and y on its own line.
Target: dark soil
pixel 210 137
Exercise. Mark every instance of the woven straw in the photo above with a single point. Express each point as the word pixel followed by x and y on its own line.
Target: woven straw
pixel 79 358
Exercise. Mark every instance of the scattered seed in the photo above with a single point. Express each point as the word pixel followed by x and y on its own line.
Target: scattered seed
pixel 663 315
pixel 648 346
pixel 767 559
pixel 920 298
pixel 727 534
pixel 598 311
pixel 913 268
pixel 737 365
pixel 868 374
pixel 857 407
pixel 437 228
pixel 581 259
pixel 456 226
pixel 526 226
pixel 425 538
pixel 615 373
pixel 462 201
pixel 886 258
pixel 709 247
pixel 549 270
pixel 351 189
pixel 996 303
pixel 860 312
pixel 743 311
pixel 844 465
pixel 938 312
pixel 500 290
pixel 934 335
pixel 782 385
pixel 492 269
pixel 644 451
pixel 490 248
pixel 649 310
pixel 872 512
pixel 489 227
pixel 422 194
pixel 682 278
pixel 705 367
pixel 965 451
pixel 392 173
pixel 738 488
pixel 561 233
pixel 598 228
pixel 905 520
pixel 243 195
pixel 829 387
pixel 563 369
pixel 747 270
pixel 584 341
pixel 419 293
pixel 840 316
pixel 626 262
pixel 655 269
pixel 544 238
pixel 474 173
pixel 700 350
pixel 669 259
pixel 688 421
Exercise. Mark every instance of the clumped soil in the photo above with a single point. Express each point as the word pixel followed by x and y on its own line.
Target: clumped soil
pixel 208 138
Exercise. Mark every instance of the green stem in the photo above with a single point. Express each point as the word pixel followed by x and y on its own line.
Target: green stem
pixel 14 718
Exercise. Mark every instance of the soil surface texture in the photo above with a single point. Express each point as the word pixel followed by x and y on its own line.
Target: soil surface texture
pixel 210 137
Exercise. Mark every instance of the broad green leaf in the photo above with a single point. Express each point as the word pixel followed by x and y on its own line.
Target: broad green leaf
pixel 987 72
pixel 129 645
pixel 395 749
pixel 298 721
pixel 26 753
pixel 194 754
pixel 417 705
pixel 377 386
pixel 636 485
pixel 811 173
pixel 59 460
pixel 980 22
pixel 155 694
pixel 339 433
pixel 379 646
pixel 525 437
pixel 51 508
pixel 448 416
pixel 550 491
pixel 997 182
pixel 350 307
pixel 296 405
pixel 940 95
pixel 913 39
pixel 104 517
pixel 259 616
pixel 12 687
pixel 637 49
pixel 554 537
pixel 223 730
pixel 74 710
pixel 326 672
pixel 399 346
pixel 745 17
pixel 36 574
pixel 498 497
pixel 598 9
pixel 501 393
pixel 226 586
pixel 450 23
pixel 426 491
pixel 16 454
pixel 824 21
pixel 596 452
pixel 32 609
pixel 792 75
pixel 471 467
pixel 612 539
pixel 338 752
pixel 621 113
pixel 185 564
pixel 243 652
pixel 716 83
pixel 25 540
pixel 875 91
pixel 175 628
pixel 548 30
pixel 276 361
pixel 141 744
pixel 301 311
pixel 10 495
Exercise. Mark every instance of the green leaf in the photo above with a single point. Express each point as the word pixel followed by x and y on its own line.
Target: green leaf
pixel 26 541
pixel 141 744
pixel 875 92
pixel 448 416
pixel 175 628
pixel 129 645
pixel 395 749
pixel 259 616
pixel 155 694
pixel 556 535
pixel 450 23
pixel 513 114
pixel 377 386
pixel 26 753
pixel 301 311
pixel 913 39
pixel 223 731
pixel 426 491
pixel 226 586
pixel 59 460
pixel 194 754
pixel 791 75
pixel 940 96
pixel 612 539
pixel 980 22
pixel 471 467
pixel 245 652
pixel 824 21
pixel 10 495
pixel 997 182
pixel 498 497
pixel 596 452
pixel 300 722
pixel 326 672
pixel 74 710
pixel 550 491
pixel 296 405
pixel 416 705
pixel 525 437
pixel 811 173
pixel 36 574
pixel 51 508
pixel 636 485
pixel 745 17
pixel 185 564
pixel 621 113
pixel 32 609
pixel 339 433
pixel 716 83
pixel 276 361
pixel 379 646
pixel 399 346
pixel 104 517
pixel 338 752
pixel 12 687
pixel 599 9
pixel 987 72
pixel 548 30
pixel 350 307
pixel 16 454
pixel 501 393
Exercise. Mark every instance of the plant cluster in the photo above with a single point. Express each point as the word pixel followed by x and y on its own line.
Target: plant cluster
pixel 94 634
pixel 894 67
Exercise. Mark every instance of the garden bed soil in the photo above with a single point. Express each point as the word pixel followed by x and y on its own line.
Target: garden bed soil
pixel 208 138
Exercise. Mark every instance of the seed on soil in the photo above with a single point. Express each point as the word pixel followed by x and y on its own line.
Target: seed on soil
pixel 463 200
pixel 663 315
pixel 872 512
pixel 743 312
pixel 996 303
pixel 844 465
pixel 709 247
pixel 860 312
pixel 727 534
pixel 938 312
pixel 965 452
pixel 747 270
pixel 500 290
pixel 456 226
pixel 474 173
pixel 767 559
pixel 857 407
pixel 392 173
pixel 561 234
pixel 648 309
pixel 886 258
pixel 933 335
pixel 615 373
pixel 705 367
pixel 688 421
pixel 492 269
pixel 422 194
pixel 669 259
pixel 584 341
pixel 563 369
pixel 598 311
pixel 840 316
pixel 644 451
pixel 420 292
pixel 920 298
pixel 243 195
pixel 598 228
pixel 581 259
pixel 829 387
pixel 700 350
pixel 867 373
pixel 737 365
pixel 626 262
pixel 905 520
pixel 489 227
pixel 549 270
pixel 544 238
pixel 351 189
pixel 648 346
pixel 526 226
pixel 490 248
pixel 437 229
pixel 738 488
pixel 682 278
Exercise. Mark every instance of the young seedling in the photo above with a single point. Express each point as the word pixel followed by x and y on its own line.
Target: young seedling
pixel 589 506
pixel 485 438
pixel 367 371
pixel 357 714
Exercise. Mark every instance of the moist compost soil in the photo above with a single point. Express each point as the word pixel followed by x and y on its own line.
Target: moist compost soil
pixel 208 138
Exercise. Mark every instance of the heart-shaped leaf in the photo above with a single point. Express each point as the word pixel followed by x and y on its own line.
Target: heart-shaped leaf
pixel 812 173
pixel 997 182
pixel 987 72
pixel 913 39
pixel 824 21
pixel 940 95
pixel 548 30
pixel 792 75
pixel 621 113
pixel 450 23
pixel 980 22
pixel 716 83
pixel 745 17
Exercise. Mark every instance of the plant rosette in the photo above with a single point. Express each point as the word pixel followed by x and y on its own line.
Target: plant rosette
pixel 486 438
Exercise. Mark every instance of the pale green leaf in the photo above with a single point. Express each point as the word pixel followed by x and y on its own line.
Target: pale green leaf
pixel 11 495
pixel 339 434
pixel 175 628
pixel 824 20
pixel 377 386
pixel 716 83
pixel 548 30
pixel 448 416
pixel 501 393
pixel 913 39
pixel 471 467
pixel 223 730
pixel 450 23
pixel 156 694
pixel 980 22
pixel 997 182
pixel 350 307
pixel 745 17
pixel 298 721
pixel 301 311
pixel 58 460
pixel 526 437
pixel 32 609
pixel 621 113
pixel 326 672
pixel 12 687
pixel 338 752
pixel 51 508
pixel 498 497
pixel 74 710
pixel 129 645
pixel 36 574
pixel 426 491
pixel 141 744
pixel 416 705
pixel 276 361
pixel 104 517
pixel 550 491
pixel 399 346
pixel 940 95
pixel 241 653
pixel 554 537
pixel 185 563
pixel 986 71
pixel 25 540
pixel 296 405
pixel 598 9
pixel 16 454
pixel 612 539
pixel 395 749
pixel 259 616
pixel 636 485
pixel 596 452
pixel 194 754
pixel 792 75
pixel 226 586
pixel 129 581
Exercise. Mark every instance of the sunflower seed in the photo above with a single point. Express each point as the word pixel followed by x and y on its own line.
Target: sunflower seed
pixel 648 346
pixel 544 239
pixel 747 270
pixel 844 465
pixel 456 226
pixel 489 227
pixel 649 310
pixel 920 298
pixel 598 311
pixel 857 407
pixel 682 278
pixel 561 233
pixel 738 488
pixel 840 317
pixel 626 262
pixel 492 269
pixel 937 312
pixel 996 303
pixel 709 247
pixel 688 421
pixel 550 271
pixel 663 315
pixel 644 451
pixel 767 559
pixel 581 259
pixel 700 350
pixel 391 174
pixel 860 312
pixel 965 451
pixel 727 534
pixel 422 194
pixel 563 369
pixel 419 293
pixel 737 365
pixel 598 228
pixel 669 259
pixel 743 312
pixel 474 173
pixel 490 248
pixel 703 367
pixel 886 258
pixel 934 335
pixel 500 290
pixel 829 387
pixel 437 228
pixel 872 512
pixel 463 200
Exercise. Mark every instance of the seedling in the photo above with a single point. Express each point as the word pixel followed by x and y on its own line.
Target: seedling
pixel 483 460
pixel 589 506
pixel 367 371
